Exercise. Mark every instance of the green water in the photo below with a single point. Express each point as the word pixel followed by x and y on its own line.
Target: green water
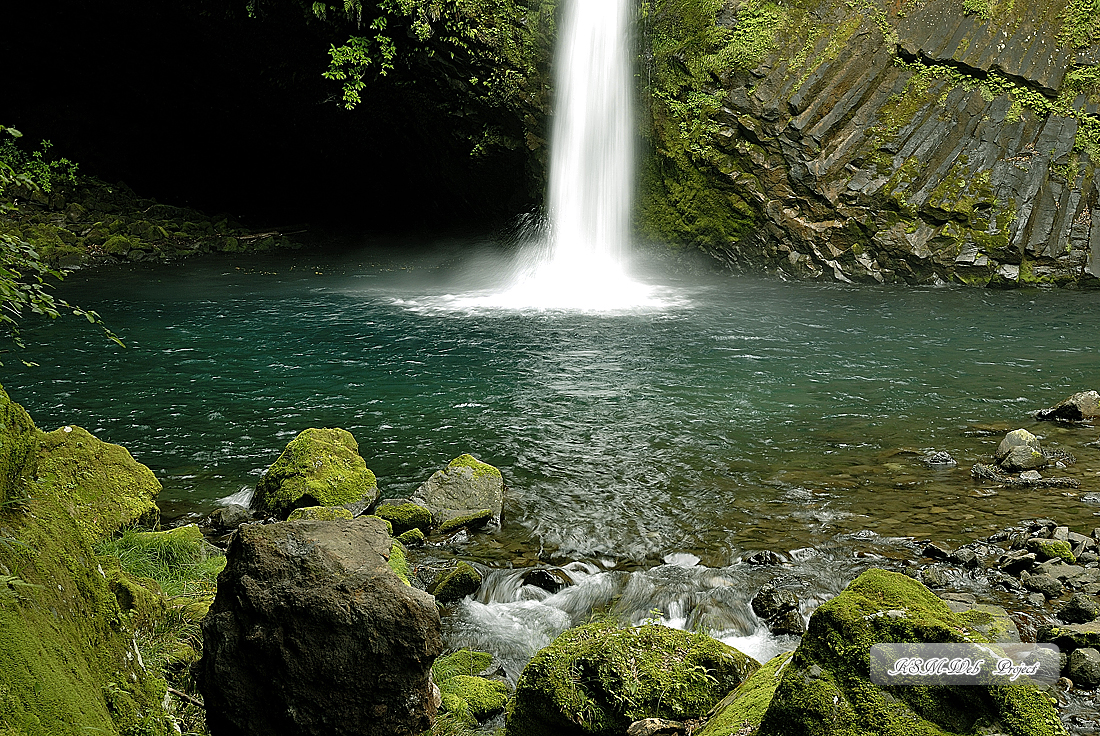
pixel 747 414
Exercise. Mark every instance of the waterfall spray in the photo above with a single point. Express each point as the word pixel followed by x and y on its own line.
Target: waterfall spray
pixel 580 265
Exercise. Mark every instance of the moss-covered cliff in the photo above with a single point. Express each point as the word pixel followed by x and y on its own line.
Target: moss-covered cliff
pixel 68 659
pixel 922 141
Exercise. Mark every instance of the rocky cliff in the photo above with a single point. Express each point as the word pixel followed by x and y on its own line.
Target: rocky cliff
pixel 920 142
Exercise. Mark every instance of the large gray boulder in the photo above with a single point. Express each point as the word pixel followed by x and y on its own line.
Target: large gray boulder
pixel 465 489
pixel 1020 450
pixel 319 467
pixel 313 634
pixel 1083 405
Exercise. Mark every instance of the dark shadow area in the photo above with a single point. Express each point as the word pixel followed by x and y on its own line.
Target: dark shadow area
pixel 212 109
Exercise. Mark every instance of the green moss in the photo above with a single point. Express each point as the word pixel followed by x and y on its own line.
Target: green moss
pixel 100 484
pixel 1051 549
pixel 320 513
pixel 67 664
pixel 825 688
pixel 474 518
pixel 117 245
pixel 462 662
pixel 399 563
pixel 412 538
pixel 319 467
pixel 474 699
pixel 680 201
pixel 458 583
pixel 747 704
pixel 479 468
pixel 18 452
pixel 598 678
pixel 406 516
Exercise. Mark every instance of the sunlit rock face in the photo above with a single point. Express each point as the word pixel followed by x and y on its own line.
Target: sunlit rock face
pixel 875 144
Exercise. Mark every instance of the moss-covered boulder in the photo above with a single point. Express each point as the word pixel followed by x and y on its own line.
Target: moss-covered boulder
pixel 600 678
pixel 320 513
pixel 1051 549
pixel 68 663
pixel 100 484
pixel 319 467
pixel 746 705
pixel 456 584
pixel 18 450
pixel 466 485
pixel 471 699
pixel 826 688
pixel 404 515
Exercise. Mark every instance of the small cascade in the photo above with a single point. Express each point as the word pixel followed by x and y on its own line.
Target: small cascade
pixel 513 620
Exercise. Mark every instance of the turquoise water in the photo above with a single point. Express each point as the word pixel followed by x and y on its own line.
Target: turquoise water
pixel 745 414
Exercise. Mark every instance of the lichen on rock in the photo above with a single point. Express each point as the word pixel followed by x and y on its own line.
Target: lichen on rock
pixel 319 467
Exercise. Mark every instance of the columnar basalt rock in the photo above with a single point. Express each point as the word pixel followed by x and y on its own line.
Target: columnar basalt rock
pixel 875 145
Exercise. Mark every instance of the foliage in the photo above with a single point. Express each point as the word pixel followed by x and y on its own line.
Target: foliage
pixel 177 560
pixel 477 53
pixel 37 166
pixel 25 280
pixel 1081 23
pixel 179 564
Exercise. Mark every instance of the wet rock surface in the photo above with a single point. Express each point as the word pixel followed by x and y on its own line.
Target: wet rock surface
pixel 900 146
pixel 462 493
pixel 312 632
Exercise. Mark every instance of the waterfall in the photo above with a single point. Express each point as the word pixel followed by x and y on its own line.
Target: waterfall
pixel 592 147
pixel 580 262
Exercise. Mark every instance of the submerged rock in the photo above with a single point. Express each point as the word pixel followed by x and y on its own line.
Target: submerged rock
pixel 313 633
pixel 228 518
pixel 319 467
pixel 1084 405
pixel 463 491
pixel 1020 450
pixel 456 584
pixel 600 678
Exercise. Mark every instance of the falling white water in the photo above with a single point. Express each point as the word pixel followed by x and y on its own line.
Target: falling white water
pixel 580 266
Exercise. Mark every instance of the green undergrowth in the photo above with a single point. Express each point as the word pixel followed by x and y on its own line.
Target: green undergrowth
pixel 166 582
pixel 686 56
pixel 1080 23
pixel 182 563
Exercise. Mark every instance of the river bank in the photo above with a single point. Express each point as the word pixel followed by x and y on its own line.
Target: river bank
pixel 1045 577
